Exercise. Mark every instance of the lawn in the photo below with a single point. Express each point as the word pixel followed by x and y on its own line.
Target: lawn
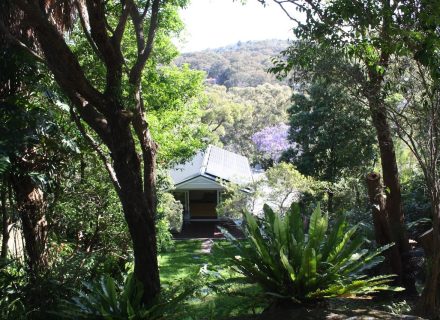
pixel 219 302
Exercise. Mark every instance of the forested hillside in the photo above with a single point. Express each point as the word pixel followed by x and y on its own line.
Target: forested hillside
pixel 243 64
pixel 241 97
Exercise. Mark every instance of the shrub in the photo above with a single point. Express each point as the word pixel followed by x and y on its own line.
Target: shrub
pixel 171 209
pixel 164 238
pixel 291 264
pixel 278 187
pixel 11 294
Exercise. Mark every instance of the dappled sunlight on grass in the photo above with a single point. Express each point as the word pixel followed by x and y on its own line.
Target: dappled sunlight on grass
pixel 226 296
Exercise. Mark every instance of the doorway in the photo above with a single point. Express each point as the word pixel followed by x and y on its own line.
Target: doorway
pixel 203 204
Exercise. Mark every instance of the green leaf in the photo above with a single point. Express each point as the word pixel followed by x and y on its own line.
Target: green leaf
pixel 287 265
pixel 296 225
pixel 318 227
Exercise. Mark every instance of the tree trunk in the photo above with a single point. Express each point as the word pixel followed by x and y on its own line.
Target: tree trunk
pixel 429 304
pixel 30 206
pixel 381 223
pixel 391 180
pixel 330 195
pixel 5 223
pixel 105 112
pixel 139 214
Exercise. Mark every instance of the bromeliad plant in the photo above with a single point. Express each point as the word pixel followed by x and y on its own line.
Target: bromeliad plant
pixel 106 299
pixel 289 263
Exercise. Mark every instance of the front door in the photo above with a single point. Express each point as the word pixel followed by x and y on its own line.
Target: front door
pixel 202 204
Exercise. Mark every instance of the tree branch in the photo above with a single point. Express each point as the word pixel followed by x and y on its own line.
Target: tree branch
pixel 85 26
pixel 120 28
pixel 145 52
pixel 95 146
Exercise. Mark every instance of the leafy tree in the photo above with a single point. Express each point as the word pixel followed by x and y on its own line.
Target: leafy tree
pixel 421 36
pixel 31 143
pixel 221 113
pixel 110 102
pixel 236 199
pixel 174 105
pixel 331 132
pixel 34 148
pixel 369 35
pixel 278 187
pixel 416 115
pixel 87 214
pixel 285 185
pixel 272 141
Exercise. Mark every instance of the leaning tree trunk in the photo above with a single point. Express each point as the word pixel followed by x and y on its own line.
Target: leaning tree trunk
pixel 30 206
pixel 391 180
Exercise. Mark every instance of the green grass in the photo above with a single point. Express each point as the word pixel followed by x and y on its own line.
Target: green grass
pixel 187 259
pixel 227 298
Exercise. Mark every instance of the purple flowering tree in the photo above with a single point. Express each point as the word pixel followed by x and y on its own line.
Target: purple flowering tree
pixel 272 141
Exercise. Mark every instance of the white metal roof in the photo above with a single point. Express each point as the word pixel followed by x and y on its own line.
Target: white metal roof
pixel 214 163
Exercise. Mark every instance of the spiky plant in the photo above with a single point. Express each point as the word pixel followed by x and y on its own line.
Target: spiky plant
pixel 106 299
pixel 290 263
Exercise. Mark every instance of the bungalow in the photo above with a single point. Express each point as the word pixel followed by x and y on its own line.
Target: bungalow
pixel 197 183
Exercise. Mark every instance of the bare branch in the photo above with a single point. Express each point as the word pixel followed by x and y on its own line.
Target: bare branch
pixel 280 3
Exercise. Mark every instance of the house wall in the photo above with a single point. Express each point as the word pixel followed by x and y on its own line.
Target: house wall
pixel 199 183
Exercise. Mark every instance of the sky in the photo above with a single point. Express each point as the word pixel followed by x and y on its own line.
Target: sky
pixel 217 23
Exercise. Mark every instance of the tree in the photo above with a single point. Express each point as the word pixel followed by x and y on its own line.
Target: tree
pixel 286 185
pixel 331 131
pixel 236 114
pixel 33 150
pixel 417 121
pixel 175 112
pixel 111 103
pixel 279 186
pixel 370 35
pixel 221 112
pixel 272 141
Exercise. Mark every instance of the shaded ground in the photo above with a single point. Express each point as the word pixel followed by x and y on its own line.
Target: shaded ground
pixel 207 230
pixel 339 309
